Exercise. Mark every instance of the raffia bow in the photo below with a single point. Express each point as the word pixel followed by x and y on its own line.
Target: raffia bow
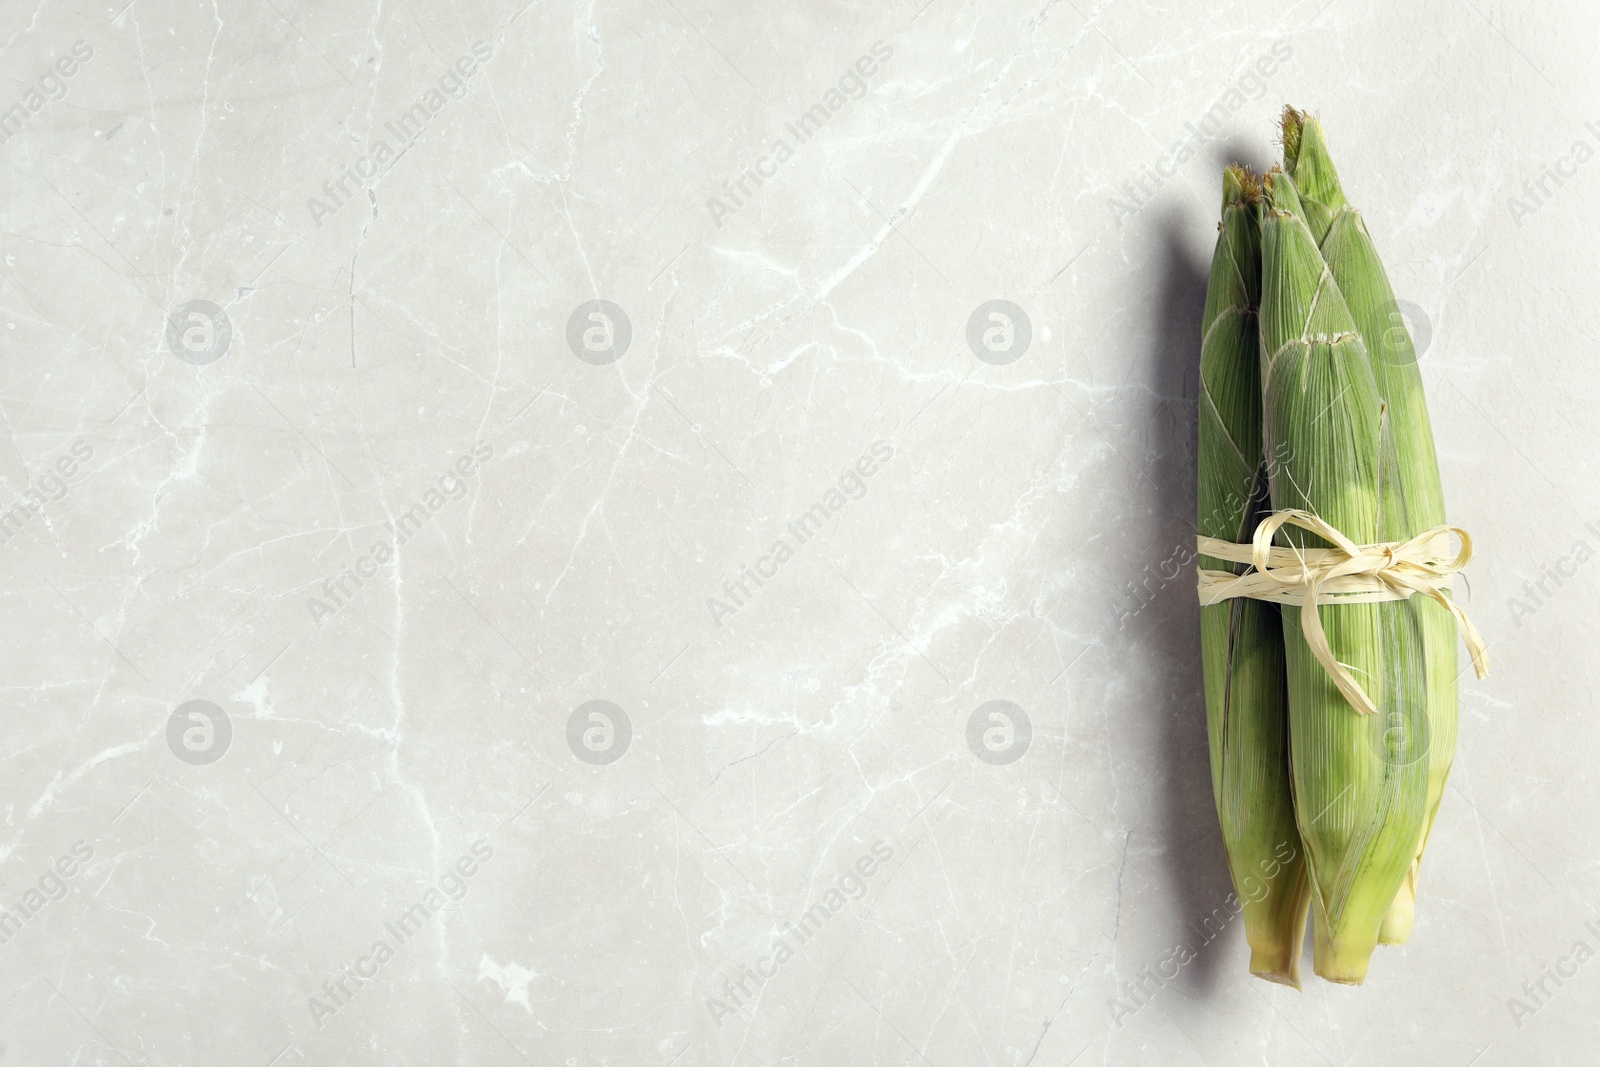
pixel 1345 574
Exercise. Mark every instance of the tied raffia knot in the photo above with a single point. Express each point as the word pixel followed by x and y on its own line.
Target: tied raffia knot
pixel 1348 573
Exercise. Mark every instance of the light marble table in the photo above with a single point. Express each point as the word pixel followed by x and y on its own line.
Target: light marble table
pixel 517 517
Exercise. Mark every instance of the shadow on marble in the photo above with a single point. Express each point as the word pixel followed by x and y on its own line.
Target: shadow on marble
pixel 1191 836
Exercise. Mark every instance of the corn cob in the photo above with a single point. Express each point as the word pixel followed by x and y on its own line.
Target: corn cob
pixel 1413 498
pixel 1241 639
pixel 1360 814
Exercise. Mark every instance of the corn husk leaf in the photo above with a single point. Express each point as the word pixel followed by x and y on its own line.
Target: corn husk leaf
pixel 1412 492
pixel 1359 813
pixel 1242 640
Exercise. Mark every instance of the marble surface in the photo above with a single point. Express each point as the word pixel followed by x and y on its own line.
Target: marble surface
pixel 518 517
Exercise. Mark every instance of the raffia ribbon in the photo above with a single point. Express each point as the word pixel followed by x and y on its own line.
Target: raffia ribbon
pixel 1345 574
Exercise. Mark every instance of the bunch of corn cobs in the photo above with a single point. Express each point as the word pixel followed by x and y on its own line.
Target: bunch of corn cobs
pixel 1310 398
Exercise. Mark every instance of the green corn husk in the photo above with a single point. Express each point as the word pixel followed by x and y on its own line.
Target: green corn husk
pixel 1413 499
pixel 1360 813
pixel 1242 639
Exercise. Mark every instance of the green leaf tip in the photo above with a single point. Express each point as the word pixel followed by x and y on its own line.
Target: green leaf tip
pixel 1240 185
pixel 1306 158
pixel 1291 123
pixel 1279 193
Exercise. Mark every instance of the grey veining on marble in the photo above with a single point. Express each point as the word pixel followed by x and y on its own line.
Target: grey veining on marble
pixel 658 533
